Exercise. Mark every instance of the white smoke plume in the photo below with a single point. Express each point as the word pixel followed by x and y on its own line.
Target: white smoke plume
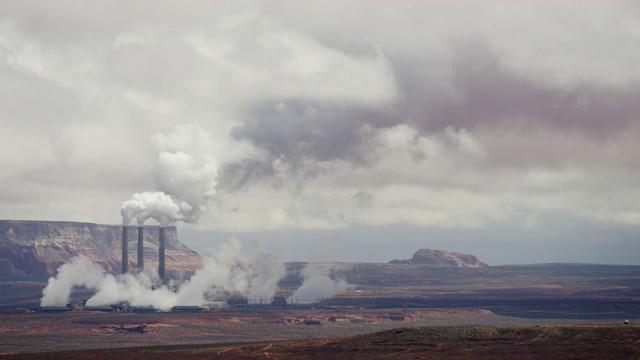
pixel 317 285
pixel 153 205
pixel 186 175
pixel 222 275
pixel 269 270
pixel 80 271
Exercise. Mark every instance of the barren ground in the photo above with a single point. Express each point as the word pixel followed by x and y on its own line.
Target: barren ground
pixel 43 332
pixel 383 297
pixel 457 342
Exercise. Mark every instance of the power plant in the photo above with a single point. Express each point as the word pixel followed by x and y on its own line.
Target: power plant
pixel 138 294
pixel 147 292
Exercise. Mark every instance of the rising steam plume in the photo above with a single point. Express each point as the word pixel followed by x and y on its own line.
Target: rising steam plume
pixel 186 177
pixel 318 284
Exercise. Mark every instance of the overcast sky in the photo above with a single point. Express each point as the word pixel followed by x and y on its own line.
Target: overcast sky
pixel 333 130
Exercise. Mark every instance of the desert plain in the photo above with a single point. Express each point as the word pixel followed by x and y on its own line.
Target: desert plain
pixel 390 310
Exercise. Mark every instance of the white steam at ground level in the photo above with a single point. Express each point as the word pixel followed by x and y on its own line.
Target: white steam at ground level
pixel 317 285
pixel 222 275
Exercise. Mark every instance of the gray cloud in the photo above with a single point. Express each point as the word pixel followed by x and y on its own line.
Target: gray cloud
pixel 434 114
pixel 301 134
pixel 477 92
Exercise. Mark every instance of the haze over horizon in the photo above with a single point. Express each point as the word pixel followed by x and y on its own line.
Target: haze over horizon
pixel 332 131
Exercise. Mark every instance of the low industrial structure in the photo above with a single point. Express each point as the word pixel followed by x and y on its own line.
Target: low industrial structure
pixel 56 309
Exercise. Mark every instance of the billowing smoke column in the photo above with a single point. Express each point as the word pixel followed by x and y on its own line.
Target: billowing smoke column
pixel 269 270
pixel 317 285
pixel 186 176
pixel 80 271
pixel 222 275
pixel 153 205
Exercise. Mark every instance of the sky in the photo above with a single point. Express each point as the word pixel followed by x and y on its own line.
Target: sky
pixel 331 130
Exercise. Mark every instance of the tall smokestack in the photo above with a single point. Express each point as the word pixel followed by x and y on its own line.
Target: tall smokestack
pixel 161 254
pixel 125 251
pixel 140 248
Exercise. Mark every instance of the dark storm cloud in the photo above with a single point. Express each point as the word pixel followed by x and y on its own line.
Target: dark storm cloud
pixel 300 132
pixel 492 92
pixel 304 129
pixel 476 90
pixel 362 199
pixel 244 173
pixel 431 113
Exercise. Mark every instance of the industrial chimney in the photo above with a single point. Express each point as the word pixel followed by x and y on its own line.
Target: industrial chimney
pixel 140 248
pixel 161 254
pixel 125 251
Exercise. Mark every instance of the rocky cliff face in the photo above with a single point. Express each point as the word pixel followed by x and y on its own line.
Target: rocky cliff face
pixel 40 247
pixel 442 258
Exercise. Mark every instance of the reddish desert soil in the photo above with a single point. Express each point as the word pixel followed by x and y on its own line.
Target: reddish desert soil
pixel 75 330
pixel 458 342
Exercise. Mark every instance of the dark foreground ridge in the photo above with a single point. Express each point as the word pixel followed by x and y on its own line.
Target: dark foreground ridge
pixel 456 342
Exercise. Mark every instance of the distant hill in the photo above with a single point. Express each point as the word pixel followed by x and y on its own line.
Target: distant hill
pixel 40 247
pixel 442 258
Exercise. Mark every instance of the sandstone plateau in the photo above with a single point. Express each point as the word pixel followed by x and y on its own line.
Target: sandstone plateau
pixel 442 258
pixel 40 247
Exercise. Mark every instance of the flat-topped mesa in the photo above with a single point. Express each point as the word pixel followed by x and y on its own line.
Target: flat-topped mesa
pixel 442 258
pixel 40 247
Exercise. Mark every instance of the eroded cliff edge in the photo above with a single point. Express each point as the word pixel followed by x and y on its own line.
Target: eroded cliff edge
pixel 40 247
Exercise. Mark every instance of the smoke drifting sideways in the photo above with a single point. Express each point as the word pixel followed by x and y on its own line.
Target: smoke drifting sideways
pixel 223 275
pixel 317 285
pixel 186 177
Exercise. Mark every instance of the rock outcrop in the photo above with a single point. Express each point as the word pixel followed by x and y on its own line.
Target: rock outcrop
pixel 40 247
pixel 442 258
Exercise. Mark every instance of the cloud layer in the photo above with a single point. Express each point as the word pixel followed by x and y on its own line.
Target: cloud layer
pixel 323 115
